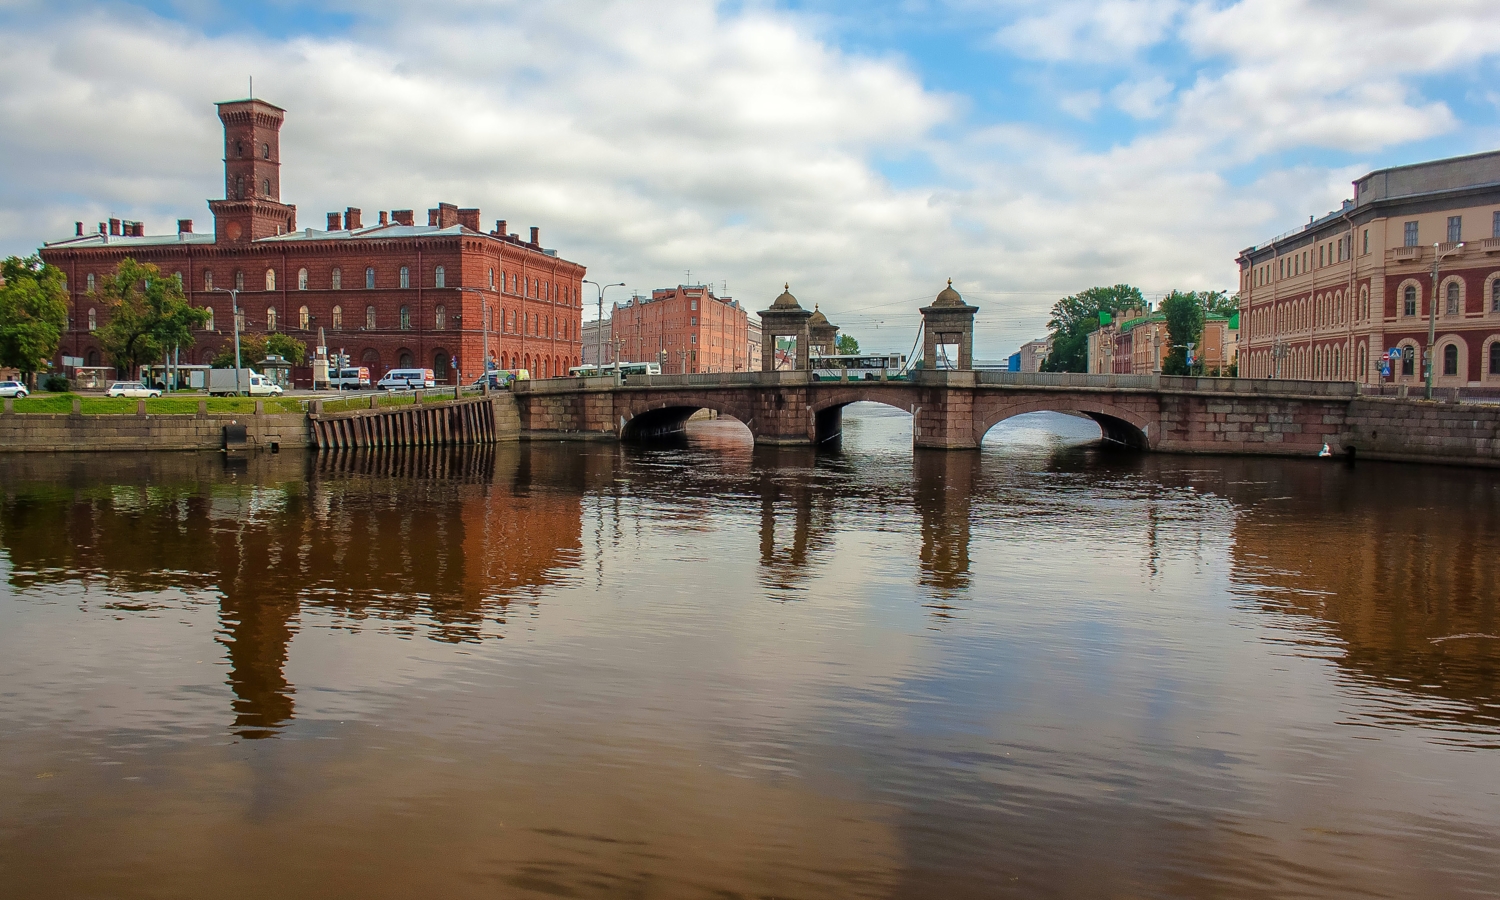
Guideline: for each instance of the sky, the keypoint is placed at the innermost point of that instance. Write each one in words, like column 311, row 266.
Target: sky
column 863, row 153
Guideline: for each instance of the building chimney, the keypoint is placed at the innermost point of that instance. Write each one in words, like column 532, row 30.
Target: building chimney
column 335, row 222
column 469, row 218
column 500, row 228
column 536, row 240
column 445, row 216
column 403, row 217
column 351, row 218
column 80, row 228
column 184, row 226
column 114, row 227
column 140, row 229
column 385, row 218
column 103, row 229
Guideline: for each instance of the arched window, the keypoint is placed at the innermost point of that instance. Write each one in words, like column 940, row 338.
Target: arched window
column 1450, row 359
column 1495, row 358
column 1494, row 293
column 404, row 360
column 1409, row 359
column 338, row 279
column 492, row 279
column 93, row 319
column 239, row 149
column 370, row 317
column 1452, row 307
column 369, row 278
column 405, row 278
column 239, row 280
column 405, row 319
column 265, row 151
column 265, row 188
column 89, row 282
column 208, row 324
column 440, row 317
column 239, row 187
column 338, row 318
column 301, row 279
column 1409, row 301
column 239, row 318
column 440, row 277
column 270, row 318
column 303, row 318
column 270, row 279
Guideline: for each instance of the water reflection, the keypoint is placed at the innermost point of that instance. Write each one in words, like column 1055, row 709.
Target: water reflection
column 1040, row 669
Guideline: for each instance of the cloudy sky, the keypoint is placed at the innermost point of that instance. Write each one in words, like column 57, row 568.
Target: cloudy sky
column 863, row 153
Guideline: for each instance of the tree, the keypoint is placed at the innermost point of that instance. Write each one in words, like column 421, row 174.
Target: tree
column 256, row 347
column 33, row 313
column 847, row 345
column 1184, row 315
column 1073, row 318
column 148, row 316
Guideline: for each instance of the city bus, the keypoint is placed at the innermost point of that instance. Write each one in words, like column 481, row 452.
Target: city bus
column 627, row 369
column 859, row 366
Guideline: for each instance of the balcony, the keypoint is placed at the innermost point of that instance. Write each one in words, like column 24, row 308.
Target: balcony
column 1489, row 245
column 1406, row 254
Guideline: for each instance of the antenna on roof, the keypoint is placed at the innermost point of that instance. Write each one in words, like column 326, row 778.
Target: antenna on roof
column 252, row 87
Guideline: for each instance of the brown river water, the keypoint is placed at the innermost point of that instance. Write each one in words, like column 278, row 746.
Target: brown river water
column 706, row 670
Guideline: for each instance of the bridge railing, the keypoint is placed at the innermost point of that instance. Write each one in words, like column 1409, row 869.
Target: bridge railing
column 1189, row 383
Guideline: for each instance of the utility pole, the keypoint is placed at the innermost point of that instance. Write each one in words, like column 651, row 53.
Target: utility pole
column 1429, row 356
column 234, row 309
column 599, row 326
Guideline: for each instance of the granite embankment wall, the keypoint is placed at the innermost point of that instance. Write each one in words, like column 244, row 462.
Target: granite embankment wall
column 43, row 433
column 74, row 432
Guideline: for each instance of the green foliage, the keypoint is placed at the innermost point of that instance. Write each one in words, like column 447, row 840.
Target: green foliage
column 1219, row 303
column 256, row 347
column 33, row 313
column 1184, row 313
column 148, row 316
column 55, row 383
column 847, row 345
column 1073, row 318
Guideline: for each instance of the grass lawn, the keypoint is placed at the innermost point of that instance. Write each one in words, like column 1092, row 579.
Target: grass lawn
column 182, row 404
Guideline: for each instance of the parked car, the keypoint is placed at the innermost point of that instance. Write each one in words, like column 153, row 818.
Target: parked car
column 407, row 380
column 12, row 389
column 131, row 389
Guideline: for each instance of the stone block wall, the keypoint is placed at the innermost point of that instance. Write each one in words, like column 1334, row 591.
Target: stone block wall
column 64, row 432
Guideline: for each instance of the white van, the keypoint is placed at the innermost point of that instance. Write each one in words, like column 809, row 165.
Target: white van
column 407, row 380
column 355, row 379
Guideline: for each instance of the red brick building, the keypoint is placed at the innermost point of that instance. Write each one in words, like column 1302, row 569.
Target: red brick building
column 390, row 294
column 686, row 329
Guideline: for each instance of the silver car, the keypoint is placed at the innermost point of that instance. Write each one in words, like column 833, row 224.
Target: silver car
column 13, row 389
column 131, row 389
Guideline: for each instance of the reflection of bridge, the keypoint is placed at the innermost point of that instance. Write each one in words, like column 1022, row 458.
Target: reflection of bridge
column 954, row 409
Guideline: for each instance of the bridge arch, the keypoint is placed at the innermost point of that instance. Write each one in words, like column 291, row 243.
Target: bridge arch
column 659, row 416
column 828, row 409
column 1120, row 423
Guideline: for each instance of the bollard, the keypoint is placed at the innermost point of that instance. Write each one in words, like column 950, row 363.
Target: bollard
column 77, row 406
column 202, row 409
column 140, row 407
column 260, row 407
column 374, row 401
column 317, row 407
column 10, row 405
column 418, row 399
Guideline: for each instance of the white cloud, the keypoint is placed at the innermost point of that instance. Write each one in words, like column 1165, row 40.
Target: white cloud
column 742, row 146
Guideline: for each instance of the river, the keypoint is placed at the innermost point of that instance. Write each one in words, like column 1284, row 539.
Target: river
column 702, row 669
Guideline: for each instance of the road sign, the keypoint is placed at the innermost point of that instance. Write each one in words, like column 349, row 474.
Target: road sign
column 1386, row 356
column 1385, row 370
column 1395, row 353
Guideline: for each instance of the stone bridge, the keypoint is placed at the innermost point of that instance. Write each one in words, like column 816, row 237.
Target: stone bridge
column 954, row 410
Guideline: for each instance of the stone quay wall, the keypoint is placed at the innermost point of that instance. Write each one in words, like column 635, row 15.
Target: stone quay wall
column 53, row 433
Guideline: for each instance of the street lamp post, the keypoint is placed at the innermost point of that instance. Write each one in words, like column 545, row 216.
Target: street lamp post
column 1431, row 359
column 599, row 325
column 234, row 310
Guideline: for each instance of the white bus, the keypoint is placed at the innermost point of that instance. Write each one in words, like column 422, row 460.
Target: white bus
column 627, row 369
column 859, row 366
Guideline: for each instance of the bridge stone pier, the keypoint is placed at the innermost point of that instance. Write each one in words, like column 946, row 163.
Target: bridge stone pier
column 954, row 409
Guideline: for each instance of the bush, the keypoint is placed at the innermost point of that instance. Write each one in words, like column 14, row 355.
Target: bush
column 55, row 383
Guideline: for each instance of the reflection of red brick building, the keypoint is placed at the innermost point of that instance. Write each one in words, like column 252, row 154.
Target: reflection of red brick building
column 392, row 293
column 686, row 328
